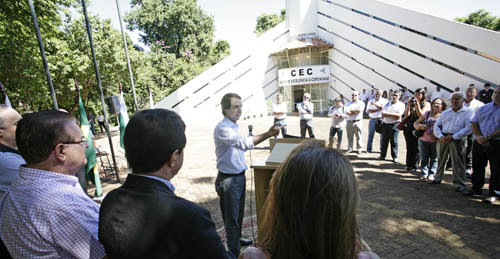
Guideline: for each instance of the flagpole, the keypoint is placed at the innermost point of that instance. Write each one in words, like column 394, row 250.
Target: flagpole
column 106, row 124
column 42, row 50
column 126, row 55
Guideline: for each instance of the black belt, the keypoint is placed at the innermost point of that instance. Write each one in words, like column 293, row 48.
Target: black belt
column 447, row 134
column 230, row 175
column 392, row 124
column 354, row 120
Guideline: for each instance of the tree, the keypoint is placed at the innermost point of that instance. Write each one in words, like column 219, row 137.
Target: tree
column 21, row 67
column 179, row 25
column 266, row 22
column 220, row 50
column 483, row 19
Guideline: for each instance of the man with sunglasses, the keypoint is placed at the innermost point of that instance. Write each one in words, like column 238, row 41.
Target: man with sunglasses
column 45, row 212
column 354, row 112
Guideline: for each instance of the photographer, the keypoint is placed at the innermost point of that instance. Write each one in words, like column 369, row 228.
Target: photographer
column 414, row 109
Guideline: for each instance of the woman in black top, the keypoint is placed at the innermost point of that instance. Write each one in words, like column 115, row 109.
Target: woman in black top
column 415, row 107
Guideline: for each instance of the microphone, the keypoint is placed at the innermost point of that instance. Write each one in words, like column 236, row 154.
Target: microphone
column 250, row 129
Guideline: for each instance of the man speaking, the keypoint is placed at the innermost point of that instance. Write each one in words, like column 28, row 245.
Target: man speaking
column 230, row 183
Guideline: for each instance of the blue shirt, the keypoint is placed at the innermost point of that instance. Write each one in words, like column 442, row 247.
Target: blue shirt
column 230, row 147
column 9, row 169
column 163, row 180
column 47, row 215
column 488, row 119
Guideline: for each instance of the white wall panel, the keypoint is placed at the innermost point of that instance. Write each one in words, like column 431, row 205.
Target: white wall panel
column 387, row 69
column 348, row 78
column 413, row 62
column 463, row 60
column 376, row 80
column 459, row 33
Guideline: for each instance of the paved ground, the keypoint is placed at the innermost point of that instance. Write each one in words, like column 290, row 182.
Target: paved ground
column 399, row 216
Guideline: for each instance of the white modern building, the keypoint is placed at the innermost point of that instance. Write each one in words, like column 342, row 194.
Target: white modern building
column 330, row 48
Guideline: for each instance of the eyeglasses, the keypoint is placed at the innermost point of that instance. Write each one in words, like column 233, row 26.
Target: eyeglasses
column 305, row 97
column 82, row 142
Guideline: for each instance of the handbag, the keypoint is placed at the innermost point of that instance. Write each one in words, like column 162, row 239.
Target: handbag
column 420, row 133
column 401, row 125
column 378, row 126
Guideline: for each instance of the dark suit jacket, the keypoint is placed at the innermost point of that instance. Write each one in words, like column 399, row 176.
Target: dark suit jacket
column 145, row 219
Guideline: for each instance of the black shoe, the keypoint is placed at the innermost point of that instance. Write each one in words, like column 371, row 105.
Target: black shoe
column 490, row 200
column 245, row 242
column 381, row 158
column 435, row 182
column 473, row 192
column 459, row 188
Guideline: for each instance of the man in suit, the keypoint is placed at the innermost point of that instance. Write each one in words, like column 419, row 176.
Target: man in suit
column 144, row 218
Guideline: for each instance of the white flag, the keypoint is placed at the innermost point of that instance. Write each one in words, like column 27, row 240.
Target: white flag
column 151, row 102
column 123, row 109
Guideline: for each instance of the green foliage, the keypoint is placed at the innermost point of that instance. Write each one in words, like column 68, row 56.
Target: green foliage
column 266, row 22
column 483, row 19
column 180, row 25
column 181, row 49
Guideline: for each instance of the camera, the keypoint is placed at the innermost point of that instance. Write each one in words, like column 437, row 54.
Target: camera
column 413, row 99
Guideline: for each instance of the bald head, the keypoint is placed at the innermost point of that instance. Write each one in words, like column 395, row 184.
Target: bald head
column 8, row 124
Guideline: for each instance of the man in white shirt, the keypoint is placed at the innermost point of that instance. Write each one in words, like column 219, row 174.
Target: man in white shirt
column 428, row 94
column 230, row 182
column 437, row 94
column 337, row 113
column 280, row 109
column 372, row 94
column 391, row 114
column 306, row 110
column 354, row 112
column 451, row 129
column 471, row 103
column 406, row 95
column 374, row 110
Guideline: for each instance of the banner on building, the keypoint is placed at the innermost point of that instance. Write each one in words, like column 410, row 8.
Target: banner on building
column 305, row 75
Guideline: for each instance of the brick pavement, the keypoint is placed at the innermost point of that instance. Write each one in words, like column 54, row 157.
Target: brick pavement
column 399, row 217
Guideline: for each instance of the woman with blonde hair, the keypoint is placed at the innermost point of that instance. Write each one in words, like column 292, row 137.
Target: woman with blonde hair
column 311, row 208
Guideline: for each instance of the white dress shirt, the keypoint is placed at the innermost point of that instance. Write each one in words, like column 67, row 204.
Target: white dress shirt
column 280, row 107
column 355, row 105
column 337, row 114
column 474, row 105
column 394, row 108
column 230, row 147
column 306, row 110
column 453, row 122
column 437, row 94
column 381, row 102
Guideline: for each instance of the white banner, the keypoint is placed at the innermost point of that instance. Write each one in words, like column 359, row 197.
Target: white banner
column 304, row 75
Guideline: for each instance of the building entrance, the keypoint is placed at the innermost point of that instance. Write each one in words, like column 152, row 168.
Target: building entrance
column 318, row 97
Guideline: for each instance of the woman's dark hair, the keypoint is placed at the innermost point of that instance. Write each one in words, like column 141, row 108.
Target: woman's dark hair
column 444, row 104
column 422, row 92
column 151, row 137
column 311, row 208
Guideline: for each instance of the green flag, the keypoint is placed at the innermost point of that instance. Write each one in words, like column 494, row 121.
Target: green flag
column 93, row 175
column 123, row 118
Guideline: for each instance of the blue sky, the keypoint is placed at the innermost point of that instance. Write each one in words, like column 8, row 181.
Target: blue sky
column 235, row 19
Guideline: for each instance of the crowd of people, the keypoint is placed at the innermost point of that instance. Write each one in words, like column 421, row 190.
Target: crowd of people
column 460, row 132
column 44, row 212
